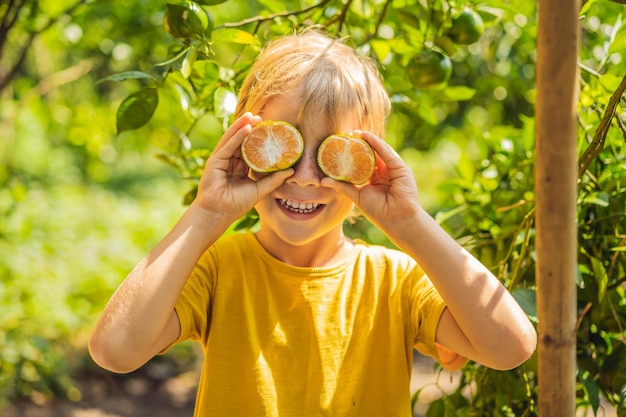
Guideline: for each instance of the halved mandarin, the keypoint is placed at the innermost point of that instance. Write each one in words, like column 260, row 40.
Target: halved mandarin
column 272, row 146
column 346, row 158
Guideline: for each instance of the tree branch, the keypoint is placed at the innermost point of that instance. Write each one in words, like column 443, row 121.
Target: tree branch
column 17, row 66
column 8, row 20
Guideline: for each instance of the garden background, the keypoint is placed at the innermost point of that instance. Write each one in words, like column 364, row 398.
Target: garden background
column 106, row 118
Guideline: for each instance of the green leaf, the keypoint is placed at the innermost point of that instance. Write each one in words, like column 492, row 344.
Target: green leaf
column 459, row 93
column 602, row 278
column 427, row 114
column 205, row 73
column 610, row 82
column 137, row 109
column 184, row 97
column 489, row 14
column 586, row 7
column 211, row 2
column 185, row 20
column 600, row 198
column 182, row 53
column 436, row 409
column 527, row 299
column 272, row 6
column 188, row 62
column 445, row 215
column 128, row 75
column 591, row 388
column 190, row 196
column 381, row 48
column 248, row 221
column 234, row 36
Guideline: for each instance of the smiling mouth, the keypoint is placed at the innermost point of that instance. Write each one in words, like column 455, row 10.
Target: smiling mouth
column 301, row 208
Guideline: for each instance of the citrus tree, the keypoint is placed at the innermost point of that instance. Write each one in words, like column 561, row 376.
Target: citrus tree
column 461, row 79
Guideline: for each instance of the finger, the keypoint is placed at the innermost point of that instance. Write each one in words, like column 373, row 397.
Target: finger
column 382, row 148
column 230, row 145
column 350, row 190
column 245, row 122
column 270, row 182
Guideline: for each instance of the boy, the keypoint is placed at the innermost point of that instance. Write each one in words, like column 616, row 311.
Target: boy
column 297, row 319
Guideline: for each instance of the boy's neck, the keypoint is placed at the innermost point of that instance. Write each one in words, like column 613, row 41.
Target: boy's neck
column 325, row 251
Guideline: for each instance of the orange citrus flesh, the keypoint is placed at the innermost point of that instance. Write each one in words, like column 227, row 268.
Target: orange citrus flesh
column 346, row 158
column 272, row 146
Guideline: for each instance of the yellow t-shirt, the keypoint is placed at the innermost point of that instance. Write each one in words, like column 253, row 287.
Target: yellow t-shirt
column 286, row 341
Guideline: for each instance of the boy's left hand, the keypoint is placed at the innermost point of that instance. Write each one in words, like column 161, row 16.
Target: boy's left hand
column 391, row 196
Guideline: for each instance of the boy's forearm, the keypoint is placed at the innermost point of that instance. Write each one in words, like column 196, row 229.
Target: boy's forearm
column 485, row 312
column 132, row 324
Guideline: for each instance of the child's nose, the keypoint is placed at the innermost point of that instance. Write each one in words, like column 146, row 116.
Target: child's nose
column 307, row 172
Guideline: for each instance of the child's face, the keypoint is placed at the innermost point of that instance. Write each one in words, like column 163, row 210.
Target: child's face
column 301, row 211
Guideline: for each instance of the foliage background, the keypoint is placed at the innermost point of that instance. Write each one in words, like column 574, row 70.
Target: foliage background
column 81, row 204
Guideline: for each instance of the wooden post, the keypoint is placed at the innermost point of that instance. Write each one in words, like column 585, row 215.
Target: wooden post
column 556, row 188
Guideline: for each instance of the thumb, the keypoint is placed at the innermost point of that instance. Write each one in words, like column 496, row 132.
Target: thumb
column 272, row 181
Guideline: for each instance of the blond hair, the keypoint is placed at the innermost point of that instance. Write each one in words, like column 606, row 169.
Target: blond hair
column 333, row 81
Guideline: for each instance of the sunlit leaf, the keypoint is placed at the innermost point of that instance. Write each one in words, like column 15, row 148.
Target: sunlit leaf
column 587, row 6
column 188, row 62
column 602, row 278
column 610, row 82
column 225, row 102
column 381, row 48
column 234, row 36
column 427, row 113
column 459, row 93
column 205, row 73
column 600, row 198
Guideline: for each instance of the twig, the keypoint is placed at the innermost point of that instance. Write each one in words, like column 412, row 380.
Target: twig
column 599, row 138
column 582, row 315
column 340, row 17
column 380, row 21
column 261, row 19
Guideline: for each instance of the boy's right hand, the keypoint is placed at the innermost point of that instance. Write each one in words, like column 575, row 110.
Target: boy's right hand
column 225, row 189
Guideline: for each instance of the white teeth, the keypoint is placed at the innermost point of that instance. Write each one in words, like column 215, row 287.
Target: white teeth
column 299, row 207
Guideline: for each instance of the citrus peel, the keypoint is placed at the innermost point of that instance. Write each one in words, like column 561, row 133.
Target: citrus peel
column 272, row 146
column 346, row 158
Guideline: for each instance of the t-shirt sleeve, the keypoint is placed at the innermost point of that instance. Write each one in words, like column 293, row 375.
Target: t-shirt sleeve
column 426, row 308
column 194, row 303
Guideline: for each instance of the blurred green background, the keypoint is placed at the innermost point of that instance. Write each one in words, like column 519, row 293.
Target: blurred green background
column 80, row 203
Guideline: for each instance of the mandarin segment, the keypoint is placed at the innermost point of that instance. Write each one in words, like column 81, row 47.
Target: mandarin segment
column 346, row 158
column 272, row 146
